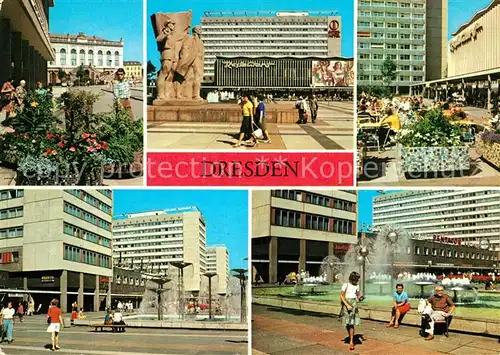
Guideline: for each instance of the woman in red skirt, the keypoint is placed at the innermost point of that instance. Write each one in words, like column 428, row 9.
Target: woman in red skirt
column 400, row 306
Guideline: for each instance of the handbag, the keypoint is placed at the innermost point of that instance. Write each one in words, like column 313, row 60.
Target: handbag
column 257, row 134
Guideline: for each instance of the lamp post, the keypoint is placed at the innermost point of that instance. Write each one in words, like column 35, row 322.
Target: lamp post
column 240, row 274
column 363, row 254
column 210, row 275
column 180, row 284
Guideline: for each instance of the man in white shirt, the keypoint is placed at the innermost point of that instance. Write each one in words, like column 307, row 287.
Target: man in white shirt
column 118, row 320
column 8, row 322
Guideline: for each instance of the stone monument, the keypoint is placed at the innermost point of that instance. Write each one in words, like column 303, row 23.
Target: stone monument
column 178, row 81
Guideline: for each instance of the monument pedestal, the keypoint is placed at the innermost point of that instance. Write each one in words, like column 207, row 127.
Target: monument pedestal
column 179, row 102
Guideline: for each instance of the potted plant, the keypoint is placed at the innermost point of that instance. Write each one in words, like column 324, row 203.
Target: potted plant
column 432, row 144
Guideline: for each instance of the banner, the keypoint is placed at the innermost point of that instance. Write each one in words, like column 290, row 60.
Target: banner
column 251, row 169
column 333, row 73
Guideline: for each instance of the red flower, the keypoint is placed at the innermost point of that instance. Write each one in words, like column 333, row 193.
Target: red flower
column 50, row 136
column 60, row 144
column 48, row 150
column 90, row 149
column 98, row 146
column 85, row 135
column 93, row 135
column 72, row 149
column 105, row 146
column 89, row 140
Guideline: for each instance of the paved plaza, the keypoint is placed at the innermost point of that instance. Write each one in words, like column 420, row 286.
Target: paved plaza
column 333, row 130
column 283, row 332
column 31, row 338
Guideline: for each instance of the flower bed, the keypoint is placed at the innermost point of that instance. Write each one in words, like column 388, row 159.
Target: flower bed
column 429, row 159
column 488, row 146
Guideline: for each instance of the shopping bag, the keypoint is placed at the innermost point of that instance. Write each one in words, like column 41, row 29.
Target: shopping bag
column 257, row 134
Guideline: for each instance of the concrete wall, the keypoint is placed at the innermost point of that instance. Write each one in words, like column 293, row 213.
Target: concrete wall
column 261, row 213
column 436, row 39
column 191, row 241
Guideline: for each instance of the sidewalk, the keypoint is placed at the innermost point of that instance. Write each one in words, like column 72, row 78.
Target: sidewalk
column 277, row 331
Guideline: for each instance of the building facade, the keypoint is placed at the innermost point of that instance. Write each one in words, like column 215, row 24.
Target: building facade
column 98, row 56
column 158, row 238
column 57, row 243
column 440, row 255
column 294, row 230
column 133, row 70
column 471, row 217
column 474, row 47
column 218, row 262
column 412, row 34
column 284, row 73
column 25, row 46
column 264, row 34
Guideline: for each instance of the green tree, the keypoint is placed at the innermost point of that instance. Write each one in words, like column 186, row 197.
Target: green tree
column 80, row 73
column 388, row 71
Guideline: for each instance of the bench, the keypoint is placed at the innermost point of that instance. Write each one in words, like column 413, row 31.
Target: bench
column 446, row 322
column 114, row 327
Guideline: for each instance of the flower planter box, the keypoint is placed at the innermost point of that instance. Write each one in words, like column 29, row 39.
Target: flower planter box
column 361, row 154
column 488, row 150
column 433, row 159
column 121, row 170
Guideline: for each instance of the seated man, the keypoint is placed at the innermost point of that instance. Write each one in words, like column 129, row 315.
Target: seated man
column 442, row 307
column 118, row 320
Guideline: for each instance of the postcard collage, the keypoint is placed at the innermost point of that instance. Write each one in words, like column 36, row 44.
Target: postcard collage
column 215, row 177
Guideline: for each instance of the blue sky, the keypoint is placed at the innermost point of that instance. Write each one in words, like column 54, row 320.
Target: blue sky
column 225, row 212
column 109, row 19
column 345, row 9
column 365, row 206
column 461, row 11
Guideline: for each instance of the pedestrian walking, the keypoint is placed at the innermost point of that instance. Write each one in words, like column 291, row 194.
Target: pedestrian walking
column 20, row 312
column 313, row 106
column 54, row 319
column 7, row 323
column 246, row 130
column 260, row 119
column 349, row 297
column 121, row 91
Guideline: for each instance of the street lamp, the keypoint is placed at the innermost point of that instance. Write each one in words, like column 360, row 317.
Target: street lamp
column 363, row 254
column 210, row 275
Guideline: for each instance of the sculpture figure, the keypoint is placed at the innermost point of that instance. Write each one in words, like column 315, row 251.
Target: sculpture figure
column 182, row 57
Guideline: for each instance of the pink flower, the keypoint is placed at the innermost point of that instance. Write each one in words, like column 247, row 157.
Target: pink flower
column 50, row 136
column 54, row 152
column 60, row 144
column 93, row 135
column 85, row 135
column 90, row 149
column 98, row 146
column 72, row 149
column 105, row 146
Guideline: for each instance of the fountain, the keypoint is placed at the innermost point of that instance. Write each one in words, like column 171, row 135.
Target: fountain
column 181, row 301
column 463, row 291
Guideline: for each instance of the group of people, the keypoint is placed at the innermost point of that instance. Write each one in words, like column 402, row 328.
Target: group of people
column 114, row 318
column 253, row 125
column 438, row 307
column 125, row 306
column 54, row 321
column 307, row 107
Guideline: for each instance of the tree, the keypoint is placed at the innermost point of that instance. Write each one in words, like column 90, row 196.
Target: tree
column 151, row 70
column 80, row 73
column 61, row 74
column 388, row 71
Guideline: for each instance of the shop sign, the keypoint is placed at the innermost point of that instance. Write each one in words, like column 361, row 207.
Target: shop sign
column 16, row 295
column 446, row 240
column 342, row 247
column 464, row 37
column 241, row 64
column 334, row 29
column 48, row 279
column 104, row 279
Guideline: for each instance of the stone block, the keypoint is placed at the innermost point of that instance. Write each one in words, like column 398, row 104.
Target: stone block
column 493, row 328
column 433, row 159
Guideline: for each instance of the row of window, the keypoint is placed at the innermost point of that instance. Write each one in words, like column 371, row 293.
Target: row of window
column 89, row 217
column 90, row 57
column 84, row 256
column 129, row 281
column 208, row 26
column 393, row 46
column 106, row 192
column 448, row 253
column 11, row 213
column 407, row 36
column 10, row 194
column 293, row 219
column 147, row 231
column 391, row 25
column 391, row 15
column 403, row 78
column 464, row 221
column 91, row 200
column 315, row 199
column 86, row 235
column 403, row 5
column 146, row 224
column 16, row 232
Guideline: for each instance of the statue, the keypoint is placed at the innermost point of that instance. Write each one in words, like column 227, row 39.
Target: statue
column 182, row 59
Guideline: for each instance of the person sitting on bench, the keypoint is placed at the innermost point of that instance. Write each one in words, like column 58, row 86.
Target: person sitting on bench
column 400, row 306
column 118, row 320
column 442, row 307
column 108, row 319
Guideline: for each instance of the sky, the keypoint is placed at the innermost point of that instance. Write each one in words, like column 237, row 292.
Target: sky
column 109, row 19
column 365, row 207
column 225, row 213
column 345, row 9
column 461, row 11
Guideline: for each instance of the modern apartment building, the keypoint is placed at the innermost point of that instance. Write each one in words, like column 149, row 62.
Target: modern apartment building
column 294, row 230
column 218, row 262
column 411, row 33
column 269, row 34
column 25, row 46
column 57, row 243
column 469, row 217
column 156, row 239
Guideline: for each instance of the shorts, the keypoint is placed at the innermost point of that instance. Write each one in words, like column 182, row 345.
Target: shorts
column 54, row 327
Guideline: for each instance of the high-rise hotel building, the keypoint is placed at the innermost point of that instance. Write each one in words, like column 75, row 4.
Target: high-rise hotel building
column 158, row 238
column 411, row 33
column 57, row 244
column 218, row 262
column 269, row 34
column 294, row 230
column 470, row 216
